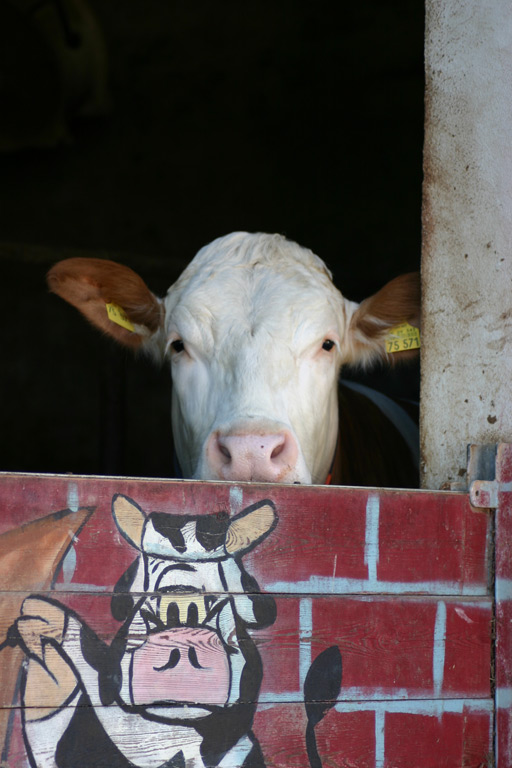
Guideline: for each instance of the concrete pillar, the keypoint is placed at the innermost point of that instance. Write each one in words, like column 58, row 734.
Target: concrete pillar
column 467, row 234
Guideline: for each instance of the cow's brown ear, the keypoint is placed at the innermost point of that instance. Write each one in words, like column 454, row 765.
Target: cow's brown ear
column 129, row 518
column 373, row 322
column 113, row 297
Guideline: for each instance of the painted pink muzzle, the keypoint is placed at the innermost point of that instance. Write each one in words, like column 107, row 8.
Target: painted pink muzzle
column 181, row 665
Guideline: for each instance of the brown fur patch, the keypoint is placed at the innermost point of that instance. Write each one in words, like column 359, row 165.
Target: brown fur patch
column 397, row 302
column 89, row 284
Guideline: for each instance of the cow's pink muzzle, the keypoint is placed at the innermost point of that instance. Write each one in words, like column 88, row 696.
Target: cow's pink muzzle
column 181, row 665
column 261, row 457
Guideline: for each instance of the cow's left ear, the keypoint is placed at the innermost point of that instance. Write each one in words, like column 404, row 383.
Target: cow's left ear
column 129, row 518
column 111, row 296
column 371, row 321
column 250, row 527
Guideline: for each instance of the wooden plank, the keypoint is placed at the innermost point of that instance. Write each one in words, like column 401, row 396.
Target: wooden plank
column 405, row 648
column 396, row 583
column 328, row 540
column 382, row 734
column 450, row 735
column 503, row 560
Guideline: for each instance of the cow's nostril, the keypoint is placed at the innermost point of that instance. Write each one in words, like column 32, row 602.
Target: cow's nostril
column 224, row 451
column 192, row 657
column 174, row 660
column 277, row 450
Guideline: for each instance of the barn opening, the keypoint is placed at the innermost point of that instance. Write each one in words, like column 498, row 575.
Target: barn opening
column 299, row 118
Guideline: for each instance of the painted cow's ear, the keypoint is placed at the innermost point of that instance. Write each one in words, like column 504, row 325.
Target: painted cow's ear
column 111, row 296
column 129, row 518
column 250, row 527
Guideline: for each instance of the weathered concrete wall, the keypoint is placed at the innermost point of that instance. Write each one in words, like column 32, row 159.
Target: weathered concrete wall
column 467, row 221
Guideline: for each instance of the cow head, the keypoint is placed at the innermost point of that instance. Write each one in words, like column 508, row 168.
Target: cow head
column 255, row 334
column 184, row 651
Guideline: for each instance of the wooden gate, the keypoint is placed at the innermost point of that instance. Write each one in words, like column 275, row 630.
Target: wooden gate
column 397, row 585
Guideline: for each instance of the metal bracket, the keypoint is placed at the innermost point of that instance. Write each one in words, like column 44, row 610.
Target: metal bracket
column 483, row 487
column 483, row 494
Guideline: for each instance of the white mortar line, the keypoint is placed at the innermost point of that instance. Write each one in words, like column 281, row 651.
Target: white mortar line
column 69, row 566
column 503, row 698
column 305, row 635
column 380, row 729
column 72, row 497
column 503, row 589
column 493, row 741
column 236, row 499
column 439, row 648
column 425, row 706
column 371, row 544
column 76, row 586
column 326, row 585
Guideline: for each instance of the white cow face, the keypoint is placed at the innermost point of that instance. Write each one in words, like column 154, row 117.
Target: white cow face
column 185, row 648
column 255, row 333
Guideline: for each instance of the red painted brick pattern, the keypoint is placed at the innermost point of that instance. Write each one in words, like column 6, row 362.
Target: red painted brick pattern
column 460, row 739
column 416, row 667
column 439, row 540
column 429, row 741
column 504, row 644
column 418, row 543
column 385, row 644
column 504, row 737
column 467, row 657
column 503, row 545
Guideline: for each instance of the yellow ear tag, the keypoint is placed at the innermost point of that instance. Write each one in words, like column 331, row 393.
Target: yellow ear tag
column 118, row 316
column 402, row 337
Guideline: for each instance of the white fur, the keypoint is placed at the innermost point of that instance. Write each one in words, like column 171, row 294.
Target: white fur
column 253, row 311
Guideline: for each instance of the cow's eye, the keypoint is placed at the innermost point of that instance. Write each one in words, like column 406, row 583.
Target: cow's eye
column 328, row 345
column 177, row 345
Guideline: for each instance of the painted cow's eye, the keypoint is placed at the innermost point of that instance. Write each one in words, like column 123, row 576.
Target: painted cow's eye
column 328, row 345
column 177, row 345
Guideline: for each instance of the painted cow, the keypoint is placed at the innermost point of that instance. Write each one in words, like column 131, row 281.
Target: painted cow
column 179, row 684
column 255, row 333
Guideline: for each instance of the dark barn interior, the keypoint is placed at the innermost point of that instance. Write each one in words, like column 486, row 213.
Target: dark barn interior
column 304, row 118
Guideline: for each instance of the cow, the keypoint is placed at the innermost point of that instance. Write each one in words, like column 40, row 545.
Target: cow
column 256, row 333
column 178, row 686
